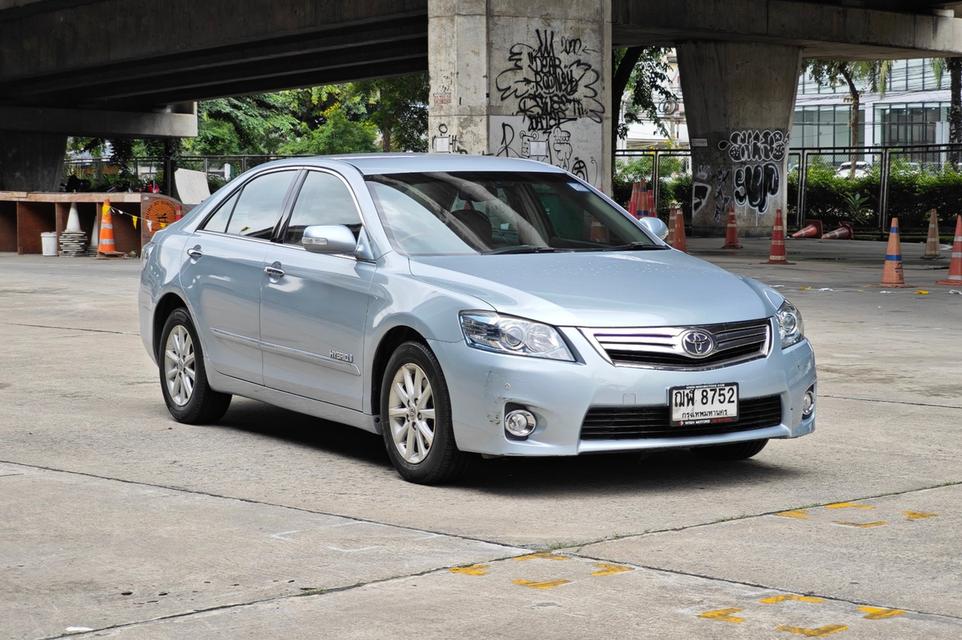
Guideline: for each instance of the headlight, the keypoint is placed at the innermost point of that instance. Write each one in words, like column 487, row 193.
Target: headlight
column 790, row 325
column 507, row 334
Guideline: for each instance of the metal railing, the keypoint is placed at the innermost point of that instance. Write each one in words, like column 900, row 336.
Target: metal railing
column 919, row 158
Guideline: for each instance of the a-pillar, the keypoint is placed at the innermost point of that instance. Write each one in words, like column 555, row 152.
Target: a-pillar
column 739, row 103
column 524, row 80
column 31, row 161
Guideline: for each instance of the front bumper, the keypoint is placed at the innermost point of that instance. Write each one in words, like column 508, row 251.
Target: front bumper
column 481, row 383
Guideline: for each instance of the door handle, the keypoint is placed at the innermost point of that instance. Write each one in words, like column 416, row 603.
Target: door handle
column 195, row 252
column 274, row 270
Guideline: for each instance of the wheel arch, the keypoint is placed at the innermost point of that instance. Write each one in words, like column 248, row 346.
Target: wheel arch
column 395, row 337
column 165, row 306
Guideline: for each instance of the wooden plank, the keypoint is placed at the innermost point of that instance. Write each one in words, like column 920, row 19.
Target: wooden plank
column 120, row 196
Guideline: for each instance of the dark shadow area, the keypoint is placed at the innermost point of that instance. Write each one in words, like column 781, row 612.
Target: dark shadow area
column 524, row 478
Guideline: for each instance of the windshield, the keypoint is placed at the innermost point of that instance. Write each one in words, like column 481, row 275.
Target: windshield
column 495, row 213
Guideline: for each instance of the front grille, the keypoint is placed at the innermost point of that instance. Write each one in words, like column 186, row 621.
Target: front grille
column 661, row 347
column 624, row 422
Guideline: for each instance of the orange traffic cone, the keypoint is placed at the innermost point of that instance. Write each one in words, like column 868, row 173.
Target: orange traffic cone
column 932, row 249
column 633, row 201
column 678, row 239
column 106, row 246
column 731, row 231
column 955, row 266
column 892, row 275
column 844, row 232
column 813, row 229
column 777, row 254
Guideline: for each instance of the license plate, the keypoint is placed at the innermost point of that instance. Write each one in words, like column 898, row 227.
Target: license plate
column 703, row 404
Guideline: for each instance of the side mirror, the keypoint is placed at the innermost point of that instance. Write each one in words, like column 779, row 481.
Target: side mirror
column 334, row 238
column 654, row 226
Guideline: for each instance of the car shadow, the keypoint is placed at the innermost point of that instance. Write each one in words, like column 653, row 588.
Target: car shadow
column 607, row 474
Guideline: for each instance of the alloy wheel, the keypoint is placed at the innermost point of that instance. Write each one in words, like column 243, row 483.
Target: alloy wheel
column 179, row 371
column 411, row 413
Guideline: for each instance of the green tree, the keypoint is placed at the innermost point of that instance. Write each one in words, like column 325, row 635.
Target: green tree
column 398, row 107
column 855, row 74
column 257, row 124
column 337, row 133
column 954, row 67
column 643, row 73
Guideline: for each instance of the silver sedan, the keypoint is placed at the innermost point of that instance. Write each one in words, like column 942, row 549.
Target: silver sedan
column 462, row 305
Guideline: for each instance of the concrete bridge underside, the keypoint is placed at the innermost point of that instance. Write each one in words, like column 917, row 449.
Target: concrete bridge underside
column 134, row 67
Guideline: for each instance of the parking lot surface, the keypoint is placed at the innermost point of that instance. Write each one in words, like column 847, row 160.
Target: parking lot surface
column 115, row 521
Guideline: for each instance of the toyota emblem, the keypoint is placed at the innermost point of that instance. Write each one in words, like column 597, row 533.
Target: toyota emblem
column 698, row 343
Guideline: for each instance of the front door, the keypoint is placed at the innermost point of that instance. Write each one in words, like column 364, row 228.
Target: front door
column 313, row 306
column 223, row 272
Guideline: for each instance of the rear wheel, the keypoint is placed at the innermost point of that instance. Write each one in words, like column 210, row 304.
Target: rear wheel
column 183, row 378
column 733, row 451
column 416, row 417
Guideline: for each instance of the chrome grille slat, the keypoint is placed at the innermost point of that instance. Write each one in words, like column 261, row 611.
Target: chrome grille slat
column 661, row 347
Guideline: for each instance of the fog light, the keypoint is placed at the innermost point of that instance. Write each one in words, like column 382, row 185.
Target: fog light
column 808, row 403
column 520, row 423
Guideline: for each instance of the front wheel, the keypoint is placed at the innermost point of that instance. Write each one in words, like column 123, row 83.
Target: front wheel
column 733, row 451
column 183, row 378
column 416, row 417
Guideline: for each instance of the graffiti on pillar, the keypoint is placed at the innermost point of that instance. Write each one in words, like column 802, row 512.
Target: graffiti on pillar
column 444, row 143
column 551, row 85
column 548, row 83
column 722, row 196
column 700, row 189
column 758, row 156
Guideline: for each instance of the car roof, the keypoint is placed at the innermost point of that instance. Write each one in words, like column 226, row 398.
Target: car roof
column 376, row 163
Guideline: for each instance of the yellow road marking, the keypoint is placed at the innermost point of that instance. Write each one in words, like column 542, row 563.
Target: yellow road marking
column 541, row 555
column 819, row 632
column 472, row 570
column 879, row 613
column 919, row 515
column 848, row 505
column 790, row 596
column 863, row 525
column 606, row 569
column 534, row 584
column 723, row 615
column 798, row 514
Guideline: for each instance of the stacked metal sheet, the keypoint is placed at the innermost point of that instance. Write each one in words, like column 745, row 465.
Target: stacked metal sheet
column 73, row 243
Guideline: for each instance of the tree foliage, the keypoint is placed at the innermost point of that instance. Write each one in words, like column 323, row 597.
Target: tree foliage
column 640, row 87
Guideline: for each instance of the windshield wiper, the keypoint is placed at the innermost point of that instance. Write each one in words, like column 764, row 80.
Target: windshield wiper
column 635, row 246
column 521, row 248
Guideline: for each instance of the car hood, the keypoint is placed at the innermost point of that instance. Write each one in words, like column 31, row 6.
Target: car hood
column 609, row 289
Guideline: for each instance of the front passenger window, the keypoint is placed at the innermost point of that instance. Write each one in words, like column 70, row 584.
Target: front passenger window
column 324, row 200
column 260, row 205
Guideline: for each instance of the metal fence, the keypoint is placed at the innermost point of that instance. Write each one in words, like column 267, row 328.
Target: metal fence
column 880, row 171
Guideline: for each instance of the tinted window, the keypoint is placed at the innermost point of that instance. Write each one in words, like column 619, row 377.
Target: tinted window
column 218, row 221
column 260, row 204
column 323, row 199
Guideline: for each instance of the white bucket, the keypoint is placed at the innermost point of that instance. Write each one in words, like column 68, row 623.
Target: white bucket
column 48, row 240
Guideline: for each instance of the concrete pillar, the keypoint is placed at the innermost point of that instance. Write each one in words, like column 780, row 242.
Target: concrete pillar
column 528, row 80
column 31, row 161
column 739, row 102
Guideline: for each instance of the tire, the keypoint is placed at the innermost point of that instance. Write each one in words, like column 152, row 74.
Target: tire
column 728, row 452
column 404, row 437
column 200, row 404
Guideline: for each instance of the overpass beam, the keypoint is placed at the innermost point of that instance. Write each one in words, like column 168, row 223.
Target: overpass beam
column 31, row 161
column 526, row 80
column 739, row 102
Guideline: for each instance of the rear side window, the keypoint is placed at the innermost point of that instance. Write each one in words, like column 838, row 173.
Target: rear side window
column 323, row 200
column 218, row 221
column 260, row 205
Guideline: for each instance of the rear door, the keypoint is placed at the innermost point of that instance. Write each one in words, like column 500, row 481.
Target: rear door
column 314, row 306
column 223, row 271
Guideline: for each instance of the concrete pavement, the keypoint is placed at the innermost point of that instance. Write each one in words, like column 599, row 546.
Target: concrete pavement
column 102, row 494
